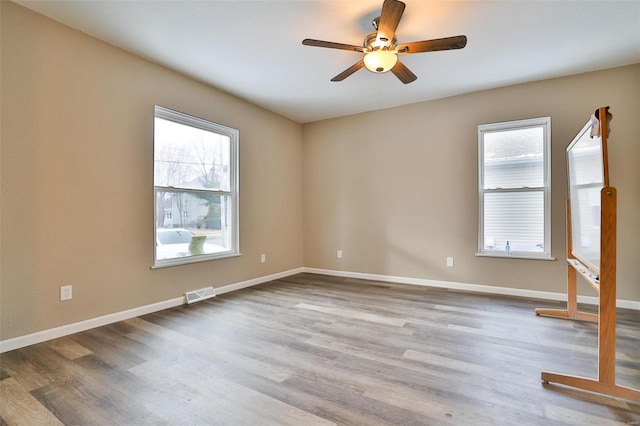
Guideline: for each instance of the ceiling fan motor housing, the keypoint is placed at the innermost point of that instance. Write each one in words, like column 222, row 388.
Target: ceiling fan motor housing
column 371, row 43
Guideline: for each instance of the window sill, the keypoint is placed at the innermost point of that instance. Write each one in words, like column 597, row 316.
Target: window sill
column 516, row 256
column 191, row 259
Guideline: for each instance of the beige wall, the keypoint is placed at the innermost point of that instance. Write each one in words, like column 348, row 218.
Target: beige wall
column 76, row 162
column 396, row 189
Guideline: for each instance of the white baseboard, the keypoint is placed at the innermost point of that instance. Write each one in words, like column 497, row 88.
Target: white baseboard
column 259, row 280
column 65, row 330
column 478, row 288
column 76, row 327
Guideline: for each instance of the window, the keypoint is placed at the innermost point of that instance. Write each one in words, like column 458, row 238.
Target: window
column 514, row 188
column 195, row 175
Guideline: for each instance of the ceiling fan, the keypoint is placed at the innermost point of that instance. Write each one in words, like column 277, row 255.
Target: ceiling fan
column 381, row 49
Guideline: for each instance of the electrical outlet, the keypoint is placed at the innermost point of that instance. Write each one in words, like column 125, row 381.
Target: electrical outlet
column 450, row 261
column 339, row 254
column 263, row 258
column 66, row 292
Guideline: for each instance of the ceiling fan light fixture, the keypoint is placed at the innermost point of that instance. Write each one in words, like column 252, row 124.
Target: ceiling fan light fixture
column 380, row 60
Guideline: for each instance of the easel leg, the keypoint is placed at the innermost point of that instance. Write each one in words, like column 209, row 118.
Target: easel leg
column 572, row 302
column 592, row 385
column 607, row 305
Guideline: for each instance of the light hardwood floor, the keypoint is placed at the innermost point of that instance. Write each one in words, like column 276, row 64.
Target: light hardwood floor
column 318, row 350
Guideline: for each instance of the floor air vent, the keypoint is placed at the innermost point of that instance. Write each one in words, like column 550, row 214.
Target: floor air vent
column 198, row 295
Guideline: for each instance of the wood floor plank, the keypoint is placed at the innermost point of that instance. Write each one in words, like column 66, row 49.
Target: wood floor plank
column 23, row 371
column 233, row 402
column 446, row 362
column 569, row 416
column 19, row 407
column 443, row 409
column 68, row 348
column 351, row 313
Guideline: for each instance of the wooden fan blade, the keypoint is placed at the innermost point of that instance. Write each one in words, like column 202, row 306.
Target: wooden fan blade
column 389, row 19
column 403, row 73
column 447, row 43
column 346, row 73
column 332, row 45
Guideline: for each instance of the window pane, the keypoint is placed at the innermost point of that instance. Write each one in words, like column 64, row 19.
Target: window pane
column 517, row 217
column 514, row 158
column 189, row 157
column 192, row 224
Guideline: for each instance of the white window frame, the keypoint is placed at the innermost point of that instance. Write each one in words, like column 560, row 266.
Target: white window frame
column 233, row 193
column 545, row 123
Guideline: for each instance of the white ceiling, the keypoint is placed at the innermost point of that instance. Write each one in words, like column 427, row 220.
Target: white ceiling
column 253, row 49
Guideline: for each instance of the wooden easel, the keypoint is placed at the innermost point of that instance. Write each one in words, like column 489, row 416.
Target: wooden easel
column 604, row 284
